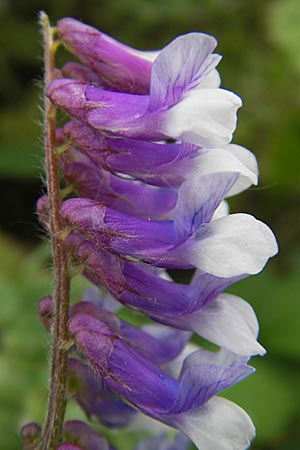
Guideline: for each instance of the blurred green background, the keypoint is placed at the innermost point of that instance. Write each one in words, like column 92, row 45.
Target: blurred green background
column 260, row 41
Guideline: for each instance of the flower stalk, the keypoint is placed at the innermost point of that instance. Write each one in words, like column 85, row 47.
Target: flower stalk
column 56, row 400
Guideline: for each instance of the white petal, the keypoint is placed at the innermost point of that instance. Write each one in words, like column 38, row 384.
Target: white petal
column 212, row 80
column 205, row 117
column 245, row 156
column 229, row 322
column 221, row 211
column 217, row 425
column 250, row 173
column 231, row 158
column 231, row 246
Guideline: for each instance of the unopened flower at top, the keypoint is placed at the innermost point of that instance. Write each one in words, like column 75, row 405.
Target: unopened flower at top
column 178, row 106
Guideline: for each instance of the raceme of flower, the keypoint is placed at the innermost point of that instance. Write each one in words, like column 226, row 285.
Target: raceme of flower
column 148, row 158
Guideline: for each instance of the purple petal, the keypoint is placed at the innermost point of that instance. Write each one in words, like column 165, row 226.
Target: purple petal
column 206, row 287
column 168, row 80
column 198, row 199
column 205, row 374
column 160, row 347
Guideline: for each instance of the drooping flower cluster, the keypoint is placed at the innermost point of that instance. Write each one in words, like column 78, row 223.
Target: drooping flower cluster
column 148, row 153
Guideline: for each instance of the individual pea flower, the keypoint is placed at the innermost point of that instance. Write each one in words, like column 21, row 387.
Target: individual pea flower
column 160, row 344
column 112, row 64
column 200, row 306
column 227, row 247
column 176, row 107
column 187, row 403
column 156, row 163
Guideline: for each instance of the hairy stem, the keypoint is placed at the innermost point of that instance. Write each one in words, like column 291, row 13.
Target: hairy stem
column 52, row 429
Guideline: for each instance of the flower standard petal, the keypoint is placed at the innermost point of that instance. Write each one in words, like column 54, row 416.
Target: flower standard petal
column 198, row 198
column 169, row 82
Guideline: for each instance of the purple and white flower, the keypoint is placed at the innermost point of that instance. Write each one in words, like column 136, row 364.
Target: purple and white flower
column 110, row 63
column 226, row 247
column 177, row 106
column 187, row 403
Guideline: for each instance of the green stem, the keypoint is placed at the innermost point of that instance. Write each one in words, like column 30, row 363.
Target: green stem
column 52, row 429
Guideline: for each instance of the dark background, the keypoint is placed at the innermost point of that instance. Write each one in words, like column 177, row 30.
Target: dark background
column 260, row 41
